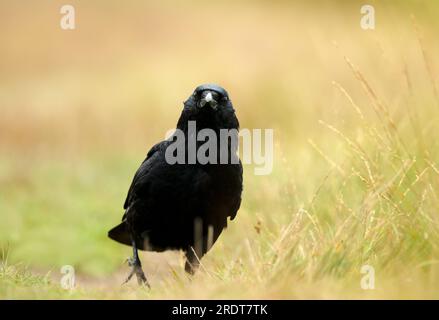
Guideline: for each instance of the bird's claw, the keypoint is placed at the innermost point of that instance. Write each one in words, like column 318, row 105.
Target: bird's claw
column 136, row 269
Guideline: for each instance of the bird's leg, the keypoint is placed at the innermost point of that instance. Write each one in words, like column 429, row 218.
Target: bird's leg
column 192, row 261
column 136, row 268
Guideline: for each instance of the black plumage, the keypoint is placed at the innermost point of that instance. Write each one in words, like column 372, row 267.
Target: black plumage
column 184, row 206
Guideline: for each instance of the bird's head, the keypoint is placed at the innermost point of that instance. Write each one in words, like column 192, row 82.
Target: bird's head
column 211, row 105
column 209, row 96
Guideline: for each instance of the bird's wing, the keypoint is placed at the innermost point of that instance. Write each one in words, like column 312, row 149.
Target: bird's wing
column 142, row 172
column 236, row 197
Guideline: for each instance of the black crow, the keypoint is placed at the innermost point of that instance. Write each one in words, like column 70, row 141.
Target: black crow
column 185, row 205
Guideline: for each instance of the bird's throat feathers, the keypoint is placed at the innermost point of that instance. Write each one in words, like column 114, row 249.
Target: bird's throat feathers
column 222, row 118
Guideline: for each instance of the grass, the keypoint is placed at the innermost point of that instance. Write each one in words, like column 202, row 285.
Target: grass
column 356, row 166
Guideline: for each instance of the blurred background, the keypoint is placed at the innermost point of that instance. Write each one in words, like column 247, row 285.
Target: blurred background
column 79, row 109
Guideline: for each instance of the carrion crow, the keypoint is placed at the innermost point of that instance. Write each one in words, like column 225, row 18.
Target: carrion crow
column 185, row 206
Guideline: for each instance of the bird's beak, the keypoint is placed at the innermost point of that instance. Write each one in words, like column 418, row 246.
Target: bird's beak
column 208, row 99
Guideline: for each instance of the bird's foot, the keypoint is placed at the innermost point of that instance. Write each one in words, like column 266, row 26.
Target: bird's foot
column 136, row 269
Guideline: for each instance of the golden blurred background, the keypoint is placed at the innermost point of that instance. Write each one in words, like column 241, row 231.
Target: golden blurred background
column 80, row 108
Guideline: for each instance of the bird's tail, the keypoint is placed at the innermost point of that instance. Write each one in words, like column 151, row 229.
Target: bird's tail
column 120, row 234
